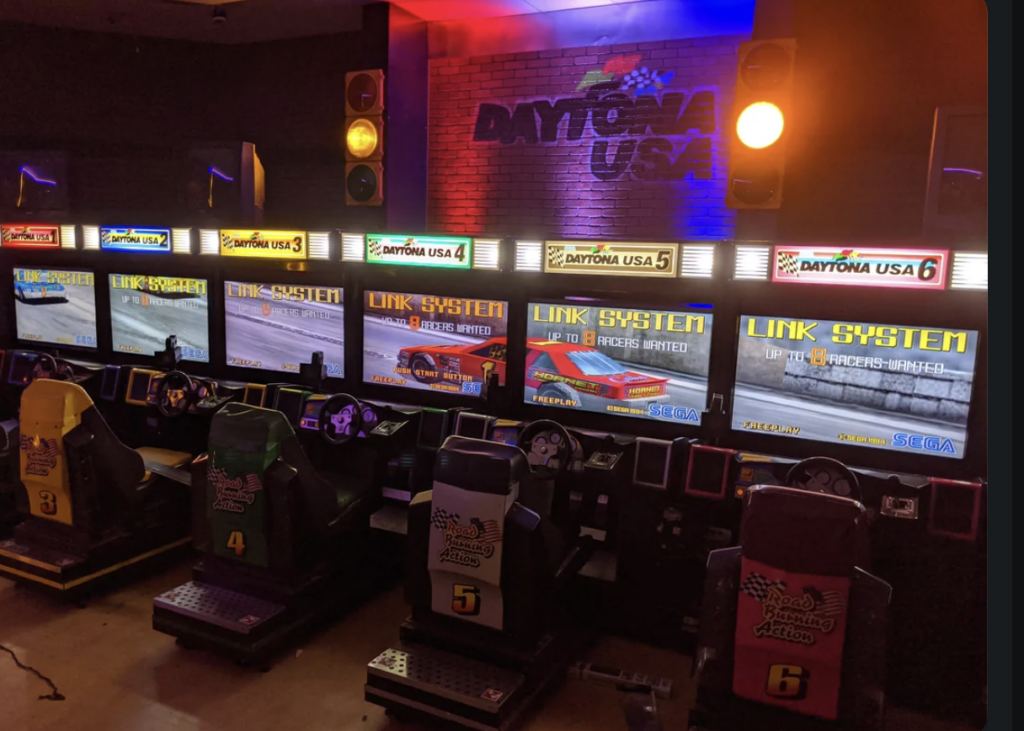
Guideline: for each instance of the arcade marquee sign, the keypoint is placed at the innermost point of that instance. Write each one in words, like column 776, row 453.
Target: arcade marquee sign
column 447, row 252
column 611, row 258
column 30, row 236
column 846, row 266
column 135, row 239
column 264, row 244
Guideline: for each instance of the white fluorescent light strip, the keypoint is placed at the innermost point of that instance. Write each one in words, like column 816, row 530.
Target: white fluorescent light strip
column 181, row 240
column 752, row 262
column 319, row 245
column 970, row 270
column 528, row 256
column 485, row 253
column 353, row 247
column 91, row 238
column 209, row 242
column 698, row 261
column 67, row 237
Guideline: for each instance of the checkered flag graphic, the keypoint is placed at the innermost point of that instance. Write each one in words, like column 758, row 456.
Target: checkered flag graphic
column 642, row 77
column 439, row 518
column 8, row 234
column 105, row 237
column 556, row 257
column 757, row 586
column 375, row 248
column 788, row 263
column 226, row 241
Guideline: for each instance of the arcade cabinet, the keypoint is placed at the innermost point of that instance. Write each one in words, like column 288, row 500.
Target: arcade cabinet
column 285, row 542
column 487, row 575
column 792, row 632
column 94, row 506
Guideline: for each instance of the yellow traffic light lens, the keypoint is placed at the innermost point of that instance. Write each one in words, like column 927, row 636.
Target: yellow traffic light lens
column 760, row 125
column 361, row 138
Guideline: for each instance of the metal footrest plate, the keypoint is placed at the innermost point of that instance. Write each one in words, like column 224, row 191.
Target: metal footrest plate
column 225, row 608
column 48, row 559
column 447, row 675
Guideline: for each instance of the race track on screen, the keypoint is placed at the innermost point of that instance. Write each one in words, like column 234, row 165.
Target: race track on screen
column 275, row 341
column 823, row 420
column 148, row 327
column 77, row 316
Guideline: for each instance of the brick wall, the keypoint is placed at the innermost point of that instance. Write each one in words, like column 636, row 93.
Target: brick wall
column 585, row 182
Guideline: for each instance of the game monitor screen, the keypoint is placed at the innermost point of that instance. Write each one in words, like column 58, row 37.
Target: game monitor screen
column 650, row 364
column 55, row 306
column 277, row 327
column 884, row 386
column 145, row 310
column 432, row 342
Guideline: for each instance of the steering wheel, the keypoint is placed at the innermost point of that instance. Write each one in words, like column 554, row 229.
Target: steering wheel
column 341, row 419
column 548, row 448
column 46, row 367
column 825, row 475
column 175, row 394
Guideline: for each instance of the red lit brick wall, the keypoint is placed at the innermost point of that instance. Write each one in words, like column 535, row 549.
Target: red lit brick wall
column 549, row 188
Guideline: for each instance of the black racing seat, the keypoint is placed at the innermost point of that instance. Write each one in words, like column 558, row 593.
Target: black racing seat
column 479, row 561
column 74, row 468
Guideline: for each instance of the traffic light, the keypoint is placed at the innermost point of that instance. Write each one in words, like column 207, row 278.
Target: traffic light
column 764, row 87
column 364, row 138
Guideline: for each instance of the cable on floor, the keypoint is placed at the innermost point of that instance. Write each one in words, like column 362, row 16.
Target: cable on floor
column 55, row 695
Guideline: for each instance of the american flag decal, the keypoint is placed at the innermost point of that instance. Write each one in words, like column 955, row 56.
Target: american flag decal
column 489, row 530
column 249, row 483
column 439, row 518
column 757, row 586
column 788, row 263
column 829, row 603
column 46, row 447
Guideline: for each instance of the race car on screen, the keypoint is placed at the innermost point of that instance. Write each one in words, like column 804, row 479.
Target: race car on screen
column 584, row 377
column 430, row 363
column 40, row 291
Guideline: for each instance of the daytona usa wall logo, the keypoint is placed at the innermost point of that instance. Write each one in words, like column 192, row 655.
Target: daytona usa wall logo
column 643, row 128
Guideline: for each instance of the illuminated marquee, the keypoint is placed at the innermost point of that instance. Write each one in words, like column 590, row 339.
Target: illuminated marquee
column 448, row 252
column 264, row 244
column 848, row 266
column 611, row 258
column 135, row 239
column 22, row 236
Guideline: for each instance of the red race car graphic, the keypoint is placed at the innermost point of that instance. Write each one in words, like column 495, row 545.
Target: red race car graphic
column 435, row 363
column 571, row 373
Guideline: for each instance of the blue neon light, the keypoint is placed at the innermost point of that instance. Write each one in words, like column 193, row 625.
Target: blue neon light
column 222, row 176
column 42, row 181
column 128, row 238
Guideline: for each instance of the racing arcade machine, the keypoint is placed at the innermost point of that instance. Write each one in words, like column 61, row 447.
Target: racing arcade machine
column 286, row 543
column 488, row 579
column 876, row 357
column 432, row 335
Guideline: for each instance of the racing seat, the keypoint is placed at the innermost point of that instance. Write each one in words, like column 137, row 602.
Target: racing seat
column 485, row 578
column 91, row 501
column 792, row 631
column 280, row 542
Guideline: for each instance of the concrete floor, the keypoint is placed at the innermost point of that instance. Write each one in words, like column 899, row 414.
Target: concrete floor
column 118, row 674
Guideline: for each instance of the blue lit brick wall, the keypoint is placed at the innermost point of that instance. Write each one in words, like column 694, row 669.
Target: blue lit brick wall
column 588, row 160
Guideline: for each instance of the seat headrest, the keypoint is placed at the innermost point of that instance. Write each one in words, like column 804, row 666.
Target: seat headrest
column 57, row 401
column 480, row 466
column 250, row 429
column 802, row 531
